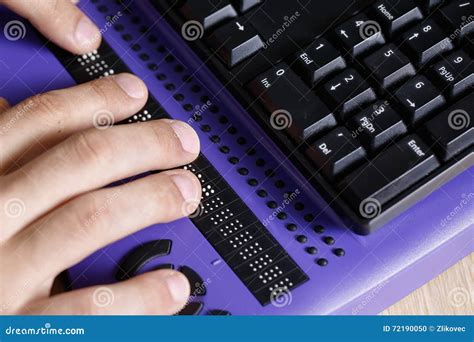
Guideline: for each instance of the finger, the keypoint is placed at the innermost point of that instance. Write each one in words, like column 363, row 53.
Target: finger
column 91, row 160
column 91, row 221
column 38, row 123
column 60, row 21
column 162, row 292
column 4, row 105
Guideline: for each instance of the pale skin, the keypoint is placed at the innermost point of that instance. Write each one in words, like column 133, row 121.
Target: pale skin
column 54, row 164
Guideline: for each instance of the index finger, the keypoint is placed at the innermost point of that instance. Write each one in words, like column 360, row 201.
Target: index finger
column 60, row 21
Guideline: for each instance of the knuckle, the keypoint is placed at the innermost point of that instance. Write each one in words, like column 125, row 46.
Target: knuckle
column 102, row 91
column 52, row 106
column 90, row 215
column 92, row 149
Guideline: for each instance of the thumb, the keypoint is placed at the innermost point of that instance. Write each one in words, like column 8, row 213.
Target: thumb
column 60, row 21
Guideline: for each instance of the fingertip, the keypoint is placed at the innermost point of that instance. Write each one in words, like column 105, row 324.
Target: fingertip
column 131, row 85
column 178, row 287
column 87, row 36
column 187, row 136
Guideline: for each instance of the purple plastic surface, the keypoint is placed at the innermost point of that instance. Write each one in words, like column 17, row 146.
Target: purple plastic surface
column 376, row 271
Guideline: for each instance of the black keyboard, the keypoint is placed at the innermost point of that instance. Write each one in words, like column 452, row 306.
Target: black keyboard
column 372, row 99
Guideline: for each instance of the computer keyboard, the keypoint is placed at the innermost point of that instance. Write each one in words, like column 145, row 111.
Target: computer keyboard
column 372, row 100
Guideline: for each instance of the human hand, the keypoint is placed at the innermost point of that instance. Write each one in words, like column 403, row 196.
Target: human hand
column 54, row 210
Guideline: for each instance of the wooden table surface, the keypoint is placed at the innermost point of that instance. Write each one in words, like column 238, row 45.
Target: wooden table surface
column 450, row 293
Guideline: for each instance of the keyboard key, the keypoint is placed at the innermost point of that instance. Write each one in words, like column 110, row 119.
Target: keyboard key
column 348, row 92
column 389, row 66
column 387, row 175
column 208, row 12
column 317, row 61
column 293, row 105
column 235, row 42
column 359, row 34
column 452, row 131
column 395, row 15
column 458, row 16
column 418, row 99
column 244, row 5
column 336, row 152
column 454, row 74
column 426, row 41
column 377, row 125
column 427, row 6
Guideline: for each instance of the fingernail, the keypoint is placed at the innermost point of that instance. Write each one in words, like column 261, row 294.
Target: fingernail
column 186, row 186
column 178, row 287
column 186, row 135
column 86, row 32
column 131, row 85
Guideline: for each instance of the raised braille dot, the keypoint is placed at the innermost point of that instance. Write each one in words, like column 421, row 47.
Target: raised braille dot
column 251, row 151
column 322, row 262
column 214, row 109
column 299, row 206
column 170, row 86
column 269, row 173
column 161, row 77
column 144, row 56
column 272, row 204
column 252, row 182
column 282, row 215
column 311, row 250
column 318, row 229
column 127, row 37
column 291, row 227
column 178, row 68
column 243, row 171
column 233, row 160
column 339, row 252
column 152, row 38
column 215, row 138
column 136, row 47
column 260, row 162
column 301, row 238
column 188, row 107
column 206, row 128
column 309, row 217
column 279, row 184
column 223, row 119
column 232, row 130
column 169, row 58
column 178, row 97
column 195, row 88
column 262, row 193
column 224, row 149
column 161, row 49
column 329, row 240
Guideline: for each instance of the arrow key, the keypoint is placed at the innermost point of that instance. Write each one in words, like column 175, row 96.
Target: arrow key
column 418, row 99
column 235, row 41
column 349, row 92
